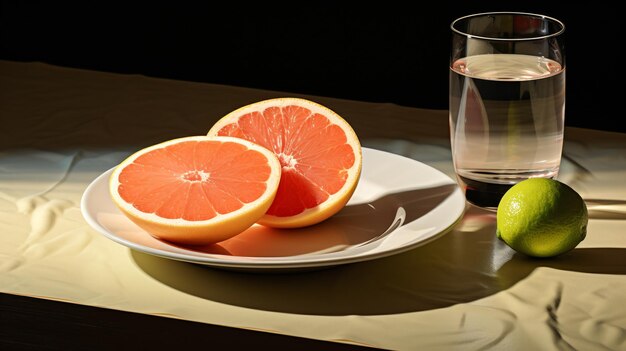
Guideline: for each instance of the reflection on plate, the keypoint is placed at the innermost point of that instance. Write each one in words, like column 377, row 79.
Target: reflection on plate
column 398, row 204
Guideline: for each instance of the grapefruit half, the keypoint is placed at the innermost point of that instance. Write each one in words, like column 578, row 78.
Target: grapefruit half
column 196, row 190
column 318, row 150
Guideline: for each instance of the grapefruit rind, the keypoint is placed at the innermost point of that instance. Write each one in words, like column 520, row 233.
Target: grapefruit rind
column 203, row 232
column 336, row 201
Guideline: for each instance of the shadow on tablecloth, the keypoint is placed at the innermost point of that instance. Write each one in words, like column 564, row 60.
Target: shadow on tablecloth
column 464, row 265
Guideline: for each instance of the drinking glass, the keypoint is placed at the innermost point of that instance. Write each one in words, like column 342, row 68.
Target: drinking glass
column 507, row 101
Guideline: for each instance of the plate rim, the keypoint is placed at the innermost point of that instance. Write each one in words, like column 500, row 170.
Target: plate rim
column 275, row 263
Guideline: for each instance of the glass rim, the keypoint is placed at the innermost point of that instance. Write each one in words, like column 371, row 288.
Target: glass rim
column 542, row 17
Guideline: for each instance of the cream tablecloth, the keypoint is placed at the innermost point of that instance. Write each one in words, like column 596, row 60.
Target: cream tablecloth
column 60, row 128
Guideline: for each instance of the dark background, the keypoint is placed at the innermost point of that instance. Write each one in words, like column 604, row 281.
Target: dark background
column 389, row 53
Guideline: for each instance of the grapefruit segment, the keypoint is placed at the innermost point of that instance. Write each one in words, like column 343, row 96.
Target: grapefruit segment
column 318, row 150
column 196, row 190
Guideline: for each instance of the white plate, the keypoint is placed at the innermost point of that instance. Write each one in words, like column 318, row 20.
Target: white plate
column 398, row 204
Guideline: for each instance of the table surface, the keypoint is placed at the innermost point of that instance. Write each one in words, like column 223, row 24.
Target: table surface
column 63, row 127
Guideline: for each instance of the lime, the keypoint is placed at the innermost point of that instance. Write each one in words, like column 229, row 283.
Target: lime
column 541, row 217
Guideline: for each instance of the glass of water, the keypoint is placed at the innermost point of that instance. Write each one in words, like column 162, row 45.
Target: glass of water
column 507, row 101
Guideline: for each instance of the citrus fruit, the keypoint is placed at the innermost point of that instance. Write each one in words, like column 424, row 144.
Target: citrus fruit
column 196, row 190
column 542, row 217
column 319, row 152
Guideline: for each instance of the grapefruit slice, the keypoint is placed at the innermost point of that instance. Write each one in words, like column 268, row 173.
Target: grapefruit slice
column 196, row 190
column 319, row 152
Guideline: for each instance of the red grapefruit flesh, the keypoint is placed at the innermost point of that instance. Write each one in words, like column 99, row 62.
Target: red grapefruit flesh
column 318, row 150
column 196, row 190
